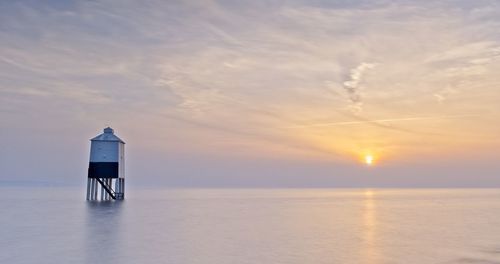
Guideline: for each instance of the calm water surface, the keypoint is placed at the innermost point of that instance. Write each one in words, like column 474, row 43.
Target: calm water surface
column 251, row 226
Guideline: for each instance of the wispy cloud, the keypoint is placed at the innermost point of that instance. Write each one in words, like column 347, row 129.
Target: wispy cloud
column 352, row 85
column 256, row 66
column 383, row 121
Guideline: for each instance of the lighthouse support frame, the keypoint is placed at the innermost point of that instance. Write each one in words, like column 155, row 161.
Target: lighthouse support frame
column 105, row 189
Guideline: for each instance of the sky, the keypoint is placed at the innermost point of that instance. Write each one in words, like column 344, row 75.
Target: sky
column 261, row 93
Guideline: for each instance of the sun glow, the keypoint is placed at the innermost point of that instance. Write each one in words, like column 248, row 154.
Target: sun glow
column 369, row 160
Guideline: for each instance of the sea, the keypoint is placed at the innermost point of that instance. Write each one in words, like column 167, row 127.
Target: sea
column 232, row 226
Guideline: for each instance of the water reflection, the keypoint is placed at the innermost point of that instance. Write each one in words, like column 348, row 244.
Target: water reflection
column 369, row 228
column 103, row 231
column 253, row 226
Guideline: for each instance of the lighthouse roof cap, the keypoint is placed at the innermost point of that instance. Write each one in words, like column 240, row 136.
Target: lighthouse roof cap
column 108, row 135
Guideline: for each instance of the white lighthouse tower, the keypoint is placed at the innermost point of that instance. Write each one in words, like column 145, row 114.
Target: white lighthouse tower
column 106, row 167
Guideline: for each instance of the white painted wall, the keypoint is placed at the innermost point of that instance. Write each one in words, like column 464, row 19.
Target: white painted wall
column 105, row 151
column 121, row 165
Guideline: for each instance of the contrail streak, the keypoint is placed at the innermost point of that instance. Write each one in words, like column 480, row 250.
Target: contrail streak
column 378, row 121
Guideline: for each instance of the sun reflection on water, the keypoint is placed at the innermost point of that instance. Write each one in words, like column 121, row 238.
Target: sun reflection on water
column 369, row 233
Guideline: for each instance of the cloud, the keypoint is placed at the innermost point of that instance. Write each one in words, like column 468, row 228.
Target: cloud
column 442, row 95
column 252, row 70
column 352, row 85
column 388, row 120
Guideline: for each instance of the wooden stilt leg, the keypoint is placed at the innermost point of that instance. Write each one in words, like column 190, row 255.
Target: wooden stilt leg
column 95, row 189
column 91, row 189
column 102, row 191
column 88, row 189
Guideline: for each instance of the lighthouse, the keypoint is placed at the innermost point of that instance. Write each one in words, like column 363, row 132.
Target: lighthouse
column 106, row 174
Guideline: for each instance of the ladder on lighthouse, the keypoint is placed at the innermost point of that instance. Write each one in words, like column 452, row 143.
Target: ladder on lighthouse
column 107, row 188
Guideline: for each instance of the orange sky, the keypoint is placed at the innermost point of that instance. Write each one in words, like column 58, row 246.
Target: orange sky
column 301, row 83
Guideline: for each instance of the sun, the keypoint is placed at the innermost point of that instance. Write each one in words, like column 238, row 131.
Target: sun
column 369, row 160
